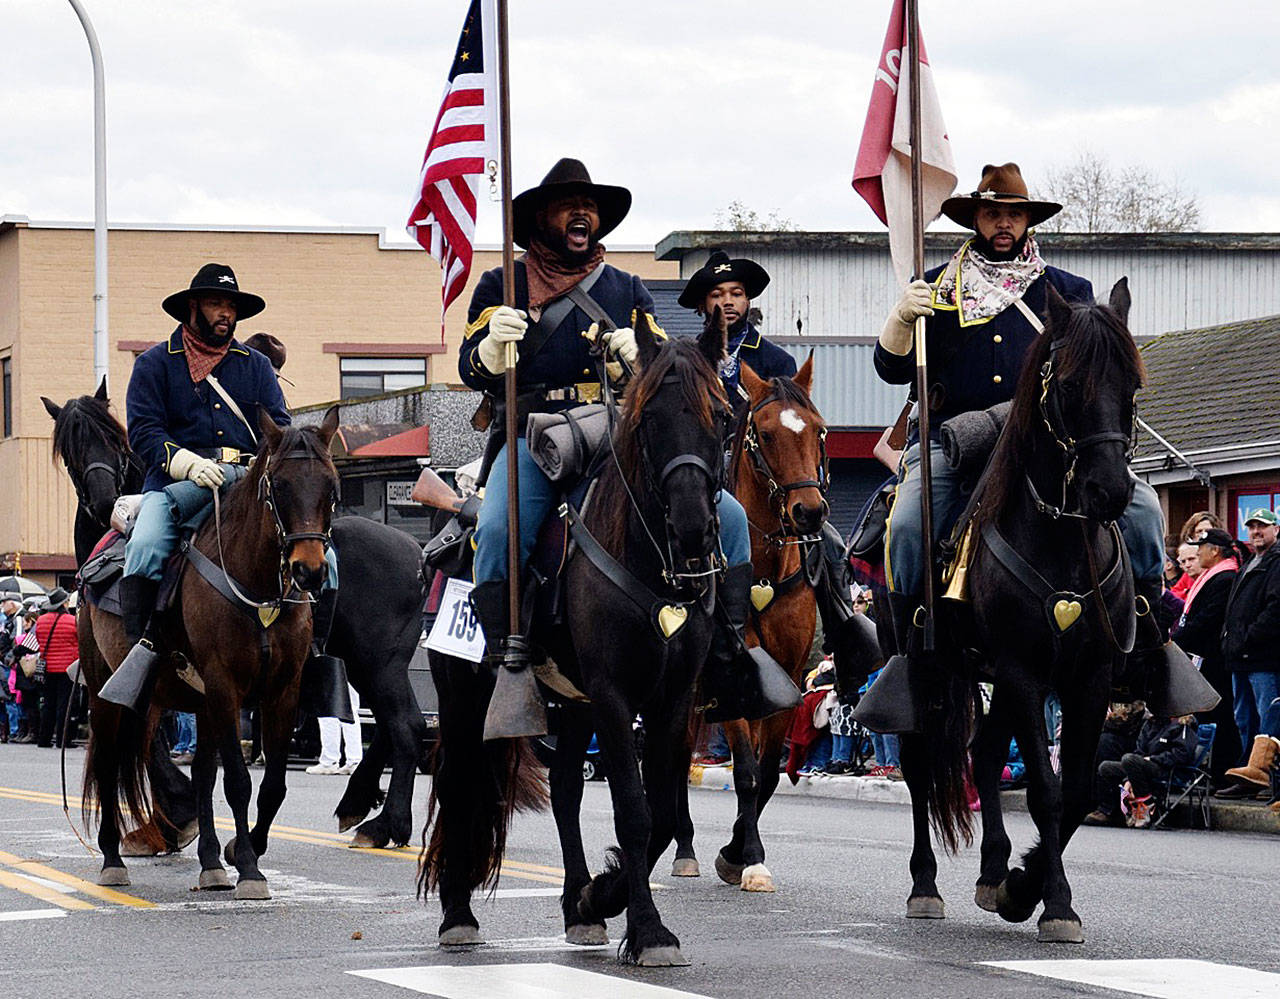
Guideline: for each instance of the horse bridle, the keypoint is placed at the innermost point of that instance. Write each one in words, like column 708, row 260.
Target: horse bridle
column 1071, row 448
column 778, row 492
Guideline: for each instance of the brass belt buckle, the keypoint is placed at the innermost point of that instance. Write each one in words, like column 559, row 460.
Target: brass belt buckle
column 228, row 455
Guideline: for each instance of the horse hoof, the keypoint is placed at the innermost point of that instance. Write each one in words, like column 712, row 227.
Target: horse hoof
column 685, row 867
column 138, row 843
column 186, row 835
column 730, row 874
column 1060, row 931
column 363, row 841
column 662, row 957
column 925, row 907
column 986, row 897
column 1009, row 910
column 113, row 877
column 349, row 822
column 587, row 935
column 214, row 879
column 756, row 877
column 252, row 890
column 458, row 937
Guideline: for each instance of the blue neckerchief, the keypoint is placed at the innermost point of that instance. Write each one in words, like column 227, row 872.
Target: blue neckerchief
column 730, row 369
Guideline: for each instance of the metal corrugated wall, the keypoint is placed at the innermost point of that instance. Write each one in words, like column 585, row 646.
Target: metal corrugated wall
column 846, row 388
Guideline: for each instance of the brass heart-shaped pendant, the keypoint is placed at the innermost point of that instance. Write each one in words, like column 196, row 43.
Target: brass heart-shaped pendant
column 672, row 618
column 761, row 595
column 1065, row 612
column 268, row 615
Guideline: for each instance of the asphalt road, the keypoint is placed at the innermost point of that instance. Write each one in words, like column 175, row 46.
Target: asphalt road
column 834, row 927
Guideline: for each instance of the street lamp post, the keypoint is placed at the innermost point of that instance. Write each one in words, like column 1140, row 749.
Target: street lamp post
column 99, row 201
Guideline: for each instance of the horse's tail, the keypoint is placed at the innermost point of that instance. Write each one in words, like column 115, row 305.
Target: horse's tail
column 949, row 725
column 510, row 780
column 120, row 741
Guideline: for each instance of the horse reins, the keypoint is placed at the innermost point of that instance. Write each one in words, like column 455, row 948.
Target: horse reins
column 778, row 492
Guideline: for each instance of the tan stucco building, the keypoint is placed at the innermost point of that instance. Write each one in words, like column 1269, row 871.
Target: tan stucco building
column 353, row 310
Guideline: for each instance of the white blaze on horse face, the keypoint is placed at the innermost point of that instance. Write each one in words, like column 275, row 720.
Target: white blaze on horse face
column 791, row 421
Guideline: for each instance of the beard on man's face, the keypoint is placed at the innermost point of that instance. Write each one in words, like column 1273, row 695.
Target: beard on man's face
column 985, row 247
column 557, row 241
column 207, row 334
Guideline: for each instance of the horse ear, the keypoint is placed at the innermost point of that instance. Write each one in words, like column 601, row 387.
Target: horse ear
column 804, row 377
column 52, row 407
column 269, row 428
column 755, row 385
column 646, row 341
column 328, row 426
column 1058, row 309
column 714, row 339
column 1121, row 300
column 101, row 394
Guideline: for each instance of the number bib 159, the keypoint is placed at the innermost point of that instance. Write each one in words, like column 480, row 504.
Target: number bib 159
column 457, row 630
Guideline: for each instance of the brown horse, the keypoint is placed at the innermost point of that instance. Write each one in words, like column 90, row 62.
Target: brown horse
column 265, row 548
column 778, row 474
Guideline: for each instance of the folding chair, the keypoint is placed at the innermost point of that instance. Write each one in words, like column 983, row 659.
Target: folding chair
column 1190, row 783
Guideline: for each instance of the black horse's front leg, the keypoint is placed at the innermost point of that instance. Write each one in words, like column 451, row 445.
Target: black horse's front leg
column 566, row 804
column 685, row 864
column 989, row 755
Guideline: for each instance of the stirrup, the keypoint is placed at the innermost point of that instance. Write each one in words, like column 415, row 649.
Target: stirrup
column 128, row 685
column 515, row 707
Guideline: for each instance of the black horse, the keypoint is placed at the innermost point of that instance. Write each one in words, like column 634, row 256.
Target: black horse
column 376, row 629
column 635, row 651
column 1053, row 604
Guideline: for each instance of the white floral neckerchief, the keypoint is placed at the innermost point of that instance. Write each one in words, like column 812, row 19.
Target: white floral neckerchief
column 986, row 287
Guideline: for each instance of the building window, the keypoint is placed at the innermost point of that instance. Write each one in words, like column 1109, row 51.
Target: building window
column 363, row 376
column 1264, row 497
column 6, row 376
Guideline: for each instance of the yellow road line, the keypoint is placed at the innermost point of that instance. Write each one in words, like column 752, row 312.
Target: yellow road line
column 43, row 892
column 71, row 881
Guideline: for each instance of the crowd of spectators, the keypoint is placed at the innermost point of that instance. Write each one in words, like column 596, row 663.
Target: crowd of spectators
column 37, row 647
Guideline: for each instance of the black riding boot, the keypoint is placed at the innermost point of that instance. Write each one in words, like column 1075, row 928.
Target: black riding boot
column 1174, row 687
column 849, row 638
column 324, row 676
column 738, row 682
column 129, row 686
column 891, row 704
column 516, row 707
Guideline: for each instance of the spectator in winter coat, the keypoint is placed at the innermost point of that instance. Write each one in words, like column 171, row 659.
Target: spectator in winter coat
column 1199, row 633
column 1163, row 743
column 1119, row 737
column 1251, row 648
column 56, row 633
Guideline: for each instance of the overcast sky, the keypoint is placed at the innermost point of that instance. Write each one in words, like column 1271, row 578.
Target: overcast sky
column 278, row 112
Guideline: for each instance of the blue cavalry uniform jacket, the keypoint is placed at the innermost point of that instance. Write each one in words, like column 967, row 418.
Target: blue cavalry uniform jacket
column 977, row 366
column 168, row 411
column 766, row 359
column 563, row 360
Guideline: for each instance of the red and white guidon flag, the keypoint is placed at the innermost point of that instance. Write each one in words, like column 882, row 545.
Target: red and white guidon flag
column 882, row 173
column 463, row 140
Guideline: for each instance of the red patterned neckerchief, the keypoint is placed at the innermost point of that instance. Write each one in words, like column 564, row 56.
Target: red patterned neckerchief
column 201, row 358
column 549, row 277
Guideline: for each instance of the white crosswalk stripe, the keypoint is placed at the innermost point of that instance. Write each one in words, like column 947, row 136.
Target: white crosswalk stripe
column 20, row 915
column 527, row 981
column 1161, row 979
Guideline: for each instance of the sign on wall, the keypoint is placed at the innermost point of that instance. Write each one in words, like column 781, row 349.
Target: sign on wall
column 398, row 493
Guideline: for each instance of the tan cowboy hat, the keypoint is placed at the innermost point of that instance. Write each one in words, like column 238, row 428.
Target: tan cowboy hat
column 1002, row 184
column 568, row 177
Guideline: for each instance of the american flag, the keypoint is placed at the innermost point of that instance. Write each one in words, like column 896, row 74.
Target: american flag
column 463, row 139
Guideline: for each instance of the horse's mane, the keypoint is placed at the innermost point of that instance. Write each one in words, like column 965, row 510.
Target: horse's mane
column 81, row 420
column 1095, row 339
column 700, row 386
column 783, row 389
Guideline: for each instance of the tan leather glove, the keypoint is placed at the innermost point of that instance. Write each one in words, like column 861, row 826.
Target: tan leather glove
column 202, row 471
column 506, row 325
column 622, row 343
column 916, row 300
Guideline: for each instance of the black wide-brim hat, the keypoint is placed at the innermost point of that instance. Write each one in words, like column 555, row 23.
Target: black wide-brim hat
column 567, row 178
column 718, row 269
column 1002, row 184
column 215, row 279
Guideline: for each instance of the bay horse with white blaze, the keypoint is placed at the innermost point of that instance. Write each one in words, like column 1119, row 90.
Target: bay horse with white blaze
column 1053, row 602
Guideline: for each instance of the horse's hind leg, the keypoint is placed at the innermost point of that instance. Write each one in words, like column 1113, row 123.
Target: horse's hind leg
column 396, row 713
column 204, row 770
column 363, row 792
column 989, row 755
column 566, row 805
column 685, row 864
column 925, row 901
column 102, row 772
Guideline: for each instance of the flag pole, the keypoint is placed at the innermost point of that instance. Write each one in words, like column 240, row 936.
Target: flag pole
column 922, row 367
column 515, row 708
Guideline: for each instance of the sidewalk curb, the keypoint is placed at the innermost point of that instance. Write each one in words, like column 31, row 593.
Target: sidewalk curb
column 1225, row 816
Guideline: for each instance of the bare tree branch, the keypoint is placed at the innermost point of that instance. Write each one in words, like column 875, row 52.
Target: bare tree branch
column 1097, row 198
column 739, row 218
